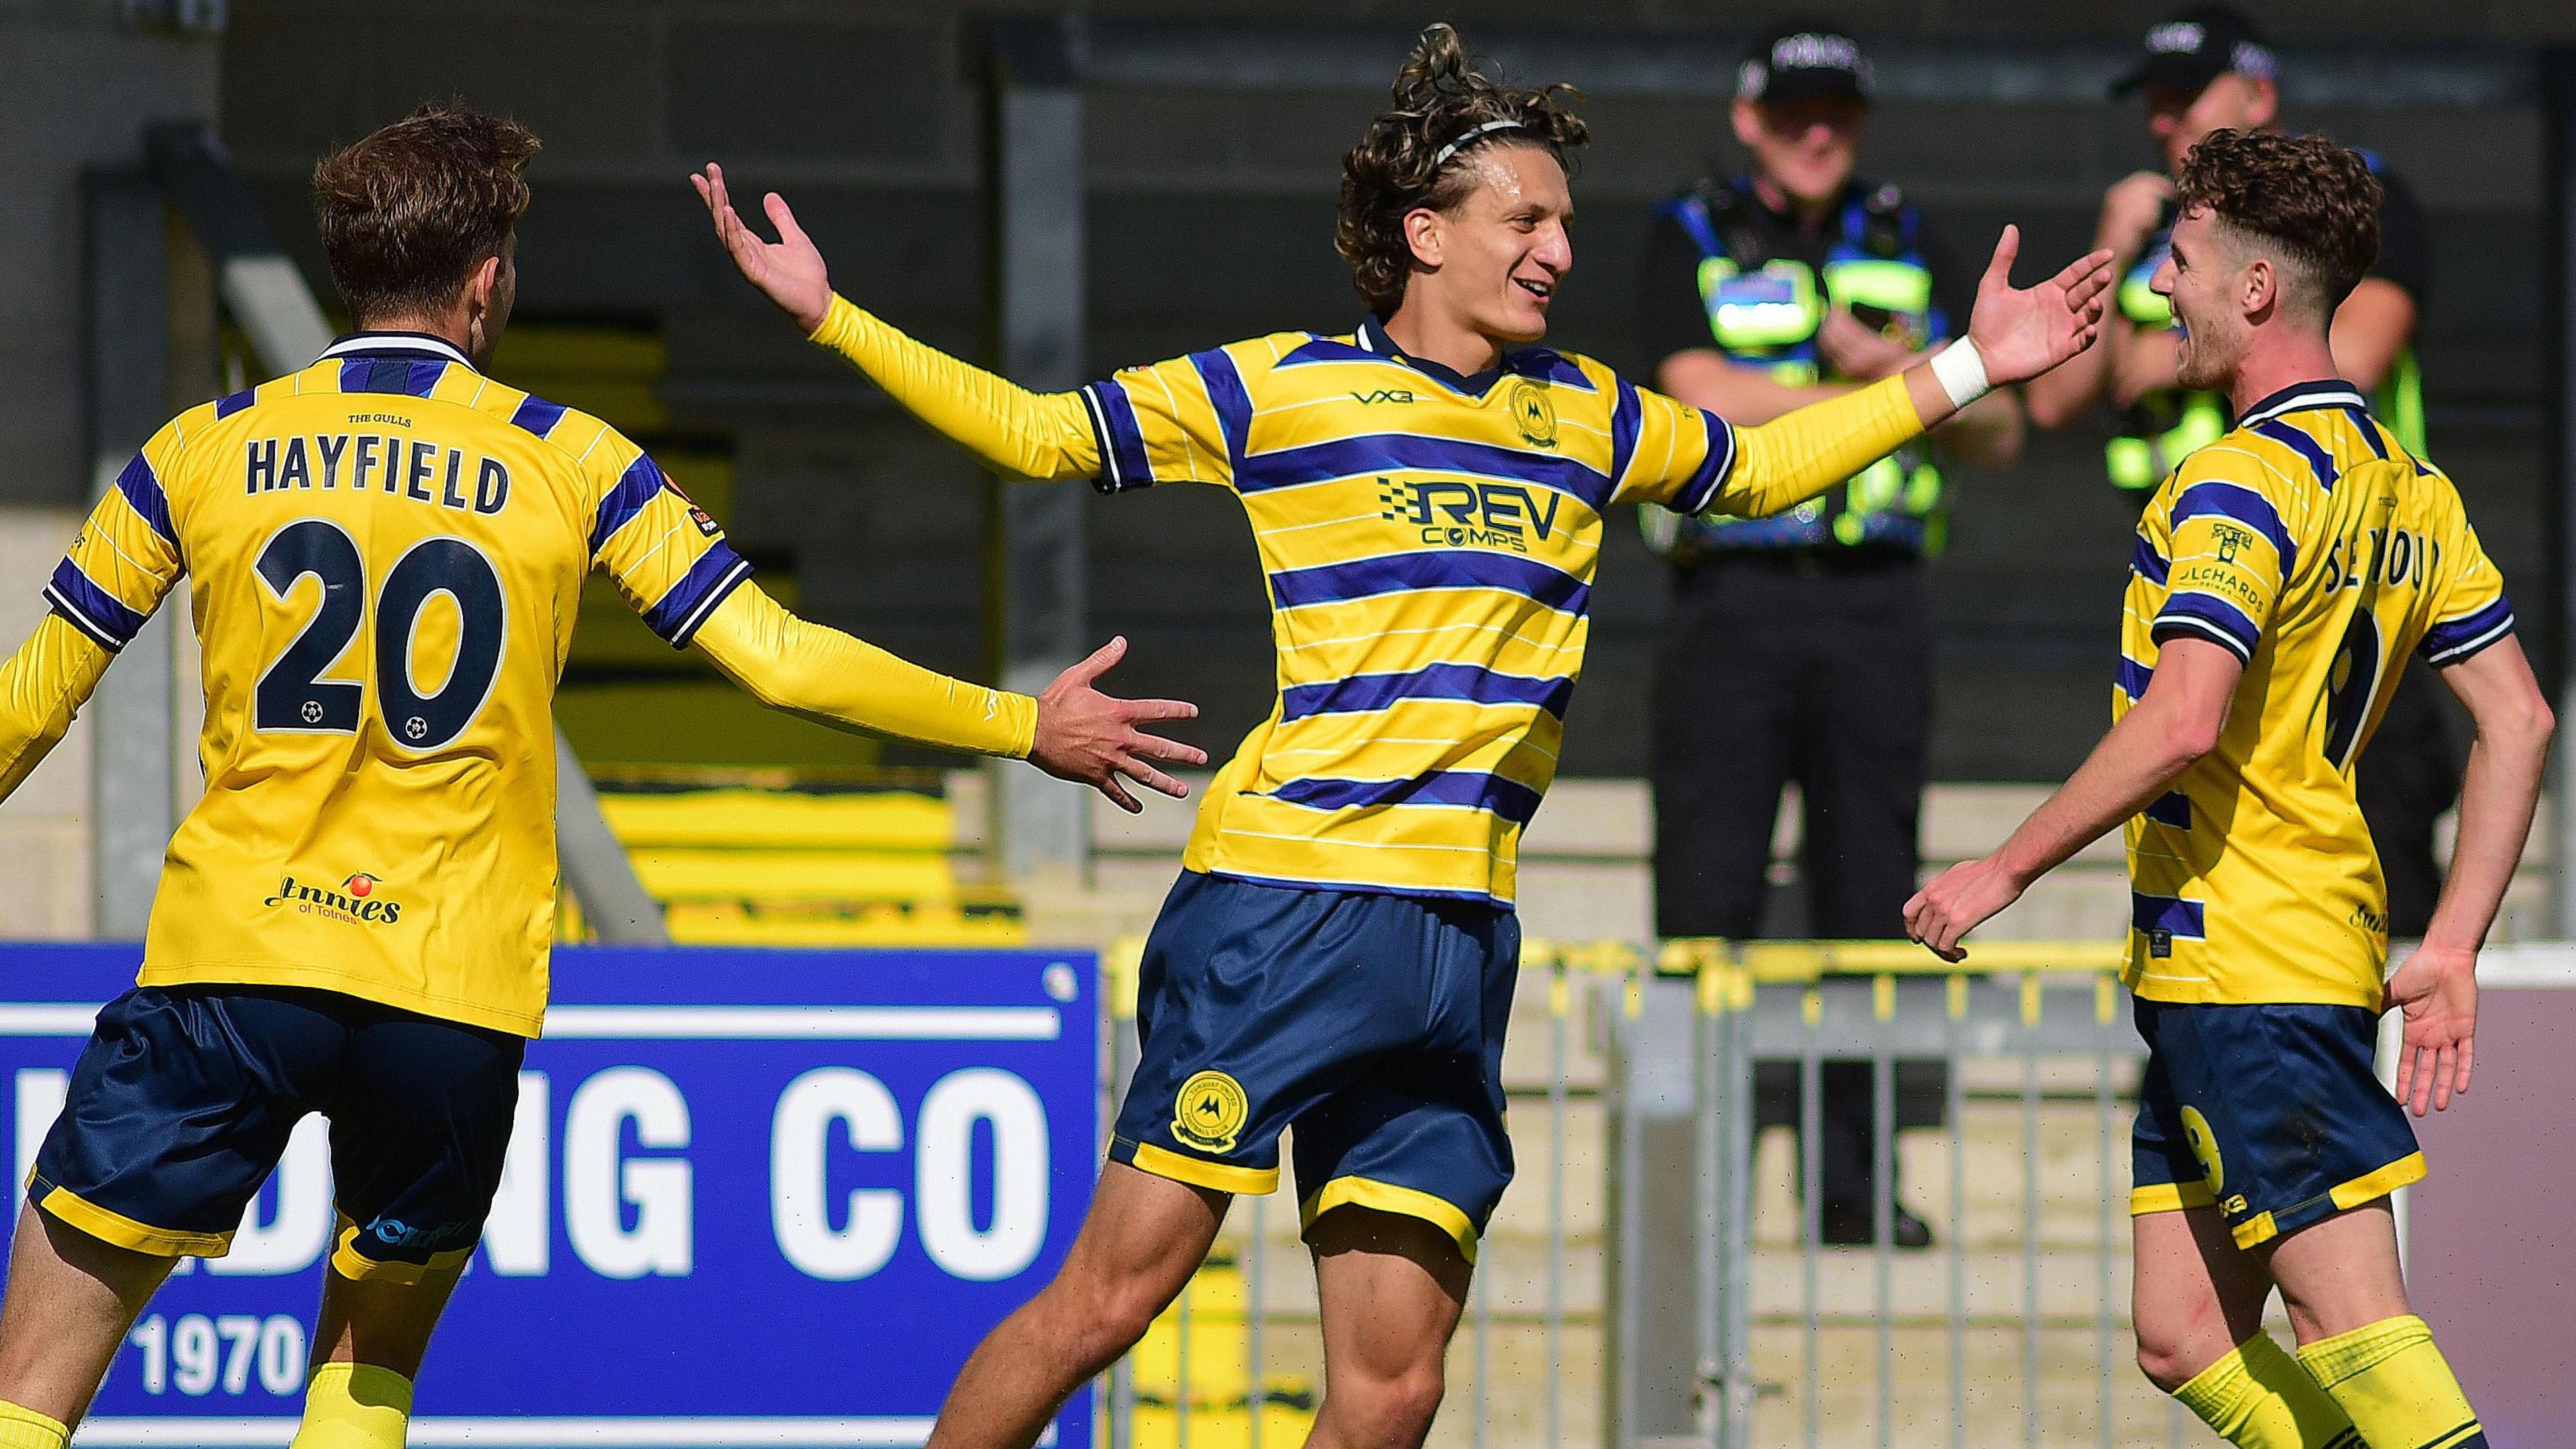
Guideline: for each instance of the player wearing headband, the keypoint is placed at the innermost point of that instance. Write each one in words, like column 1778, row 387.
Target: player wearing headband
column 1427, row 493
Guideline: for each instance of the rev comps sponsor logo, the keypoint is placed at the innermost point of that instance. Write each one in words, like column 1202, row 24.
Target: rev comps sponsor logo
column 360, row 899
column 1470, row 515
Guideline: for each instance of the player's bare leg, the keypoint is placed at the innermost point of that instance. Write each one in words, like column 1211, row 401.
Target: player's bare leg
column 1141, row 1241
column 1391, row 1289
column 71, row 1300
column 2194, row 1295
column 2198, row 1304
column 368, row 1342
column 386, row 1324
column 2341, row 1274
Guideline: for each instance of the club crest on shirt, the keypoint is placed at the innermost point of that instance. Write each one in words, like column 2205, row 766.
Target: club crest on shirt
column 1210, row 1112
column 1533, row 414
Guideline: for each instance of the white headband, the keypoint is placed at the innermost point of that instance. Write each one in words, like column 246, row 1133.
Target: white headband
column 1442, row 158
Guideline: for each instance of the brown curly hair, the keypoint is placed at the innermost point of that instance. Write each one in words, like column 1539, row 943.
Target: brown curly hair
column 1396, row 169
column 409, row 212
column 2313, row 202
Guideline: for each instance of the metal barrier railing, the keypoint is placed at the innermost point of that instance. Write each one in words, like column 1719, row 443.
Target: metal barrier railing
column 1995, row 1304
column 1658, row 1275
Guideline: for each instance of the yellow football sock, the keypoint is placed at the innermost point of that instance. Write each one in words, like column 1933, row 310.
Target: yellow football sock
column 2396, row 1386
column 2259, row 1398
column 354, row 1406
column 27, row 1429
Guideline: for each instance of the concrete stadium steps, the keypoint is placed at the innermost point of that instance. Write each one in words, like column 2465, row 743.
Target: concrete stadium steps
column 1585, row 872
column 753, row 859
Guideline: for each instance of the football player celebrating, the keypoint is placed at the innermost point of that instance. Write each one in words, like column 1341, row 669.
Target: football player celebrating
column 1427, row 493
column 386, row 552
column 2281, row 578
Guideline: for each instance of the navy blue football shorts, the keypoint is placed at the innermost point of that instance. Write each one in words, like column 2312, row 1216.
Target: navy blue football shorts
column 2272, row 1113
column 181, row 1105
column 1373, row 1024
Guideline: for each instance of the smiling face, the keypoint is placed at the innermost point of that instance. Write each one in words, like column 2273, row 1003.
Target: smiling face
column 2211, row 287
column 2179, row 119
column 1492, row 263
column 1806, row 148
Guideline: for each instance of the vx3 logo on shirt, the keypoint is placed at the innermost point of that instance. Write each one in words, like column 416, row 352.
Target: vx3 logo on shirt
column 1470, row 515
column 1383, row 395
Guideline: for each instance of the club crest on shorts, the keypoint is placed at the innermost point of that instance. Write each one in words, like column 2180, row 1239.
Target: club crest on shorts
column 2204, row 1149
column 1210, row 1112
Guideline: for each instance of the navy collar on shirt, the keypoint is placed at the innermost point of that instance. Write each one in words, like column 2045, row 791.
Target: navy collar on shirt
column 416, row 344
column 2332, row 392
column 1525, row 362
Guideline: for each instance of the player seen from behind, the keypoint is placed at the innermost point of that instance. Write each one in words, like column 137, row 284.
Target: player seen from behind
column 2282, row 576
column 385, row 554
column 1427, row 494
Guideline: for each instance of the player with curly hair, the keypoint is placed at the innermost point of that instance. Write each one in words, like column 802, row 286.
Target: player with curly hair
column 1427, row 493
column 2281, row 577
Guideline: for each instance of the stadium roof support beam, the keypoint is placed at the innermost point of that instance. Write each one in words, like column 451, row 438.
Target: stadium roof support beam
column 133, row 790
column 133, row 749
column 1039, row 549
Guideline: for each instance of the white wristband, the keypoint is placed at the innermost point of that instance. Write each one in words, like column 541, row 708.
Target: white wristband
column 1961, row 372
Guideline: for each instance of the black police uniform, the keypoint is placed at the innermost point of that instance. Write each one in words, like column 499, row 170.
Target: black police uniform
column 1802, row 647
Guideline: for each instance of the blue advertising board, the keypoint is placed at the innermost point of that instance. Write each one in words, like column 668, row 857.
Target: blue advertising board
column 753, row 1198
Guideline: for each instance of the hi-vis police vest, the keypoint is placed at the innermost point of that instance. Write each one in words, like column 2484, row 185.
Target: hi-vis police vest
column 1765, row 311
column 2164, row 427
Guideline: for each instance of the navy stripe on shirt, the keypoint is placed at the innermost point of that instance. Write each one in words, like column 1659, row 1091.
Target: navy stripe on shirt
column 2215, row 499
column 2186, row 919
column 92, row 610
column 1438, row 568
column 1509, row 799
column 634, row 489
column 2200, row 616
column 142, row 490
column 1464, row 683
column 718, row 572
column 2451, row 642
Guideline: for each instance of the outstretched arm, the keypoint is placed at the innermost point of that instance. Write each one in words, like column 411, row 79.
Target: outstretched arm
column 2013, row 334
column 1072, row 731
column 41, row 687
column 2175, row 722
column 1008, row 427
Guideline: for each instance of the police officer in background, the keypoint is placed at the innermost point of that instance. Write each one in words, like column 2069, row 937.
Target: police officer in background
column 1803, row 647
column 2206, row 68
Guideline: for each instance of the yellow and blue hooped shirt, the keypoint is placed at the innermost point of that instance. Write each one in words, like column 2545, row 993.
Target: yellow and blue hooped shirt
column 2310, row 543
column 1430, row 541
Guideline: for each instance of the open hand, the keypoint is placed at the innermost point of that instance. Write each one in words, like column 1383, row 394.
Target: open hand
column 2023, row 332
column 790, row 270
column 1090, row 737
column 2437, row 988
column 1958, row 901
